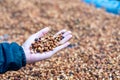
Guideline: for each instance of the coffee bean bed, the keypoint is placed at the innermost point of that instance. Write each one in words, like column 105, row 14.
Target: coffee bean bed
column 94, row 52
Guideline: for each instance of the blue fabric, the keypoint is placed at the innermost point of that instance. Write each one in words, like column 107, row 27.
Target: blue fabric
column 112, row 6
column 12, row 57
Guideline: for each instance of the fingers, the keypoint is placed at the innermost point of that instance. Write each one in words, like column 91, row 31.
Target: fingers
column 62, row 31
column 60, row 47
column 67, row 33
column 65, row 39
column 42, row 32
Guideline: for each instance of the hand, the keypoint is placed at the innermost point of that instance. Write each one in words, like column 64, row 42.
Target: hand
column 30, row 58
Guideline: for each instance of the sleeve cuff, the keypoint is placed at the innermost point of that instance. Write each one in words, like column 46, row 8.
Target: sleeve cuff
column 23, row 56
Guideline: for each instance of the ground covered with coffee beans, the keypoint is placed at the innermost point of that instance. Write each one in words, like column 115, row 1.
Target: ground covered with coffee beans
column 94, row 53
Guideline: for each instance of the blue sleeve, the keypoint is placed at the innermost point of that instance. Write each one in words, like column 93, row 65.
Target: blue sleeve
column 12, row 57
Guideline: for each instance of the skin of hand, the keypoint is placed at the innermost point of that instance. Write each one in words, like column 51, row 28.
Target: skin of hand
column 31, row 58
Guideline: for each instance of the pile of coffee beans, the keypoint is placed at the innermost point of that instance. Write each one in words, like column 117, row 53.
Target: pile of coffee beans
column 45, row 44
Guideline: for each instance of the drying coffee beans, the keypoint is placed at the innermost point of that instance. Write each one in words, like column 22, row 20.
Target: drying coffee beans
column 46, row 43
column 94, row 53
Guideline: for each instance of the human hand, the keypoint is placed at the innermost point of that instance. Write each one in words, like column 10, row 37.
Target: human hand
column 30, row 58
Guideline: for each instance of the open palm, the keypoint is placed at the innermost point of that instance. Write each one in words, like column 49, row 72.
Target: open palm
column 30, row 58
